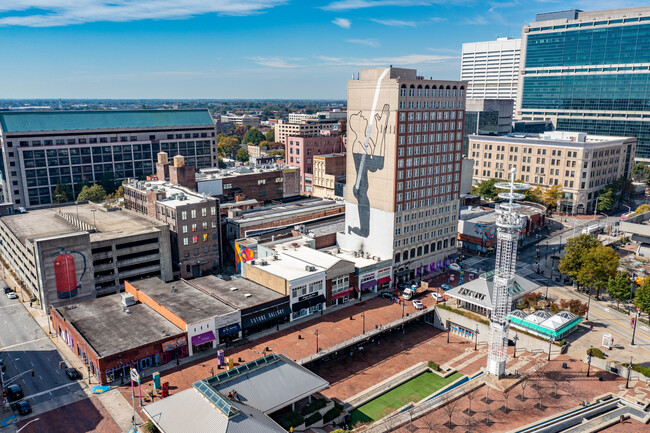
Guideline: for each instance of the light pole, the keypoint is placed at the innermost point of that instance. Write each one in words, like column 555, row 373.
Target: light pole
column 629, row 369
column 588, row 303
column 550, row 342
column 363, row 316
column 589, row 355
column 515, row 339
column 448, row 330
column 476, row 339
column 636, row 319
column 596, row 207
column 316, row 334
column 629, row 209
column 546, row 251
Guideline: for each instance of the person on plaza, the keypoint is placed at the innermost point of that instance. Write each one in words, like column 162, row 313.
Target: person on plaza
column 591, row 328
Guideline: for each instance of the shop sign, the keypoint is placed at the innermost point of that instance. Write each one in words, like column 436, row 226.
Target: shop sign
column 269, row 315
column 308, row 296
column 174, row 344
column 383, row 273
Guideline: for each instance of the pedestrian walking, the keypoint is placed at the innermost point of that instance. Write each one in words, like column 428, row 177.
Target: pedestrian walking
column 591, row 328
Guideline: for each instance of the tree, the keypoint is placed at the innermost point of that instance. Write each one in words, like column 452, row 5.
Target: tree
column 642, row 209
column 599, row 264
column 575, row 250
column 642, row 297
column 449, row 407
column 552, row 196
column 270, row 135
column 641, row 172
column 541, row 393
column 278, row 153
column 229, row 146
column 535, row 195
column 221, row 163
column 61, row 193
column 505, row 392
column 523, row 384
column 120, row 192
column 574, row 306
column 470, row 396
column 241, row 130
column 624, row 188
column 486, row 189
column 253, row 135
column 108, row 182
column 93, row 193
column 242, row 155
column 606, row 199
column 619, row 287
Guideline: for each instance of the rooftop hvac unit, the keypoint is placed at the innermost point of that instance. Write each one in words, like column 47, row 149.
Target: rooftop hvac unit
column 310, row 268
column 128, row 299
column 263, row 262
column 233, row 289
column 275, row 257
column 247, row 295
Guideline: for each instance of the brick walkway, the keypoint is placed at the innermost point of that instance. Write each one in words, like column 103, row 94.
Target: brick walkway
column 87, row 415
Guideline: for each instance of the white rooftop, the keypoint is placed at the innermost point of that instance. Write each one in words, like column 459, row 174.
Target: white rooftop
column 312, row 256
column 182, row 196
column 287, row 267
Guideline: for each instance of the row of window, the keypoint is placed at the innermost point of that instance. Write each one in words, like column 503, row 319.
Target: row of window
column 424, row 226
column 399, row 207
column 196, row 251
column 423, row 250
column 430, row 104
column 306, row 289
column 195, row 239
column 417, row 116
column 421, row 91
column 429, row 138
column 426, row 127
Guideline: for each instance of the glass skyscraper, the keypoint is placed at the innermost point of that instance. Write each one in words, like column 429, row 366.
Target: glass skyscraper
column 589, row 72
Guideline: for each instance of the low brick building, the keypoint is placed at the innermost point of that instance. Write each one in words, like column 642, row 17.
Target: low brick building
column 329, row 176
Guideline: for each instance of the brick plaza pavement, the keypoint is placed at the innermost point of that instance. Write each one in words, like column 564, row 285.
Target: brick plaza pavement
column 573, row 388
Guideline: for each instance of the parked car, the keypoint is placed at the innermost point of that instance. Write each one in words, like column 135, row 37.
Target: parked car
column 446, row 287
column 23, row 407
column 14, row 392
column 436, row 296
column 72, row 373
column 387, row 295
column 8, row 289
column 11, row 295
column 417, row 304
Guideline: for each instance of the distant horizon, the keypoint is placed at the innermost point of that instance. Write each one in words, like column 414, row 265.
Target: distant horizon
column 242, row 49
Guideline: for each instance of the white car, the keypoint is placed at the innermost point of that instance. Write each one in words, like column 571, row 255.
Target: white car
column 12, row 295
column 417, row 304
column 436, row 297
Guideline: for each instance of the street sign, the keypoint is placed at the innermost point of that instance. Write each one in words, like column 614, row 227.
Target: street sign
column 135, row 376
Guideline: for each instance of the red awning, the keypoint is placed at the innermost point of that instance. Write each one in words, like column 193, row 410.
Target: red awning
column 383, row 280
column 342, row 293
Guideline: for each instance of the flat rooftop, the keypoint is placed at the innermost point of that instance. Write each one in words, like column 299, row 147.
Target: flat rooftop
column 41, row 223
column 183, row 299
column 285, row 267
column 176, row 195
column 552, row 139
column 359, row 261
column 248, row 293
column 109, row 330
column 256, row 215
column 489, row 215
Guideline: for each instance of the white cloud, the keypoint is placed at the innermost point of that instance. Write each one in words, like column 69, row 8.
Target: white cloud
column 409, row 59
column 50, row 13
column 277, row 62
column 395, row 23
column 341, row 5
column 476, row 21
column 437, row 19
column 342, row 22
column 370, row 42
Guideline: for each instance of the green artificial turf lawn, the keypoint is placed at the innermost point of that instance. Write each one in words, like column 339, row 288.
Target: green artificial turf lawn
column 414, row 390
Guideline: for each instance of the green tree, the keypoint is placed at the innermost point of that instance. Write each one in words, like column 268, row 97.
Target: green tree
column 535, row 195
column 487, row 189
column 242, row 155
column 93, row 193
column 108, row 182
column 575, row 250
column 642, row 297
column 270, row 135
column 253, row 135
column 220, row 137
column 606, row 199
column 278, row 153
column 61, row 193
column 221, row 163
column 620, row 287
column 229, row 147
column 641, row 172
column 241, row 130
column 599, row 265
column 552, row 196
column 624, row 189
column 120, row 192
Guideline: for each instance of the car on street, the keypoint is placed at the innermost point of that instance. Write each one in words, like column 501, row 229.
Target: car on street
column 436, row 296
column 446, row 287
column 8, row 289
column 387, row 295
column 417, row 304
column 72, row 373
column 14, row 392
column 23, row 407
column 11, row 295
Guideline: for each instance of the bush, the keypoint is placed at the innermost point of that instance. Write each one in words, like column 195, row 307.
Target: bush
column 331, row 414
column 149, row 427
column 290, row 419
column 313, row 406
column 311, row 419
column 596, row 352
column 643, row 370
column 561, row 342
column 433, row 366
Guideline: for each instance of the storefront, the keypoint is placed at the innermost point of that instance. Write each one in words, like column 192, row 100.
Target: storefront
column 368, row 283
column 308, row 304
column 383, row 278
column 174, row 349
column 270, row 317
column 229, row 333
column 342, row 296
column 203, row 342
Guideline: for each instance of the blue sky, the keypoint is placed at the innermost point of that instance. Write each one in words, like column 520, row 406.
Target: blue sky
column 241, row 48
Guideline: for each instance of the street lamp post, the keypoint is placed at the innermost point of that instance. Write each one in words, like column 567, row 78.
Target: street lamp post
column 596, row 207
column 589, row 355
column 94, row 220
column 316, row 333
column 588, row 302
column 550, row 342
column 448, row 331
column 514, row 352
column 363, row 316
column 476, row 339
column 636, row 319
column 629, row 369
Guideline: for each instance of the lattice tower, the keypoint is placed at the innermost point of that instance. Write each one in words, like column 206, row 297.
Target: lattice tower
column 509, row 223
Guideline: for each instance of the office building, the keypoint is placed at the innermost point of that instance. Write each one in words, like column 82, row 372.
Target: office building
column 329, row 176
column 300, row 152
column 405, row 135
column 43, row 149
column 487, row 117
column 491, row 68
column 306, row 128
column 589, row 71
column 581, row 164
column 69, row 253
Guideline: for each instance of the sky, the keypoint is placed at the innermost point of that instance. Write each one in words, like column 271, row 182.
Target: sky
column 242, row 49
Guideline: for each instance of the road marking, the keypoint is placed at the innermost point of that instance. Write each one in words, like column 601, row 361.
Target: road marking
column 11, row 305
column 24, row 342
column 49, row 391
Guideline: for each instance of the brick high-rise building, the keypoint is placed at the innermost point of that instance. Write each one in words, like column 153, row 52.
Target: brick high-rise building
column 405, row 135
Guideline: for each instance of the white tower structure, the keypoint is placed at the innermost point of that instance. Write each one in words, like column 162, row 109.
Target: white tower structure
column 509, row 224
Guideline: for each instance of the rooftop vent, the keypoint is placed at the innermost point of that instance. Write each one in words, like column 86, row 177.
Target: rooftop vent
column 71, row 307
column 310, row 268
column 127, row 300
column 247, row 295
column 233, row 289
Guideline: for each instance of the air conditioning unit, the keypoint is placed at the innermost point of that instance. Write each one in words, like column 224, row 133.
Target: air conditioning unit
column 263, row 262
column 128, row 299
column 275, row 257
column 233, row 289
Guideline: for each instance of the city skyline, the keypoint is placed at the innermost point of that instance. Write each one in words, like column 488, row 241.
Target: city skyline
column 241, row 49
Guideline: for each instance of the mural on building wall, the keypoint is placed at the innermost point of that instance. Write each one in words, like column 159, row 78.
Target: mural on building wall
column 242, row 254
column 368, row 152
column 486, row 231
column 65, row 272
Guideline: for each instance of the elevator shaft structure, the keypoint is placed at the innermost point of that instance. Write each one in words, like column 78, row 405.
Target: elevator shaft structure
column 509, row 224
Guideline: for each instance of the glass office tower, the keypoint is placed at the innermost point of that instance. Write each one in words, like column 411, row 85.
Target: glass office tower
column 589, row 72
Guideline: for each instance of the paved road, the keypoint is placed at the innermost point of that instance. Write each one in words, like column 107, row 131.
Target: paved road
column 25, row 347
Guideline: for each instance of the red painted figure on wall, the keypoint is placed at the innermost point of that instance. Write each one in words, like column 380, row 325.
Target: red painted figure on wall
column 65, row 273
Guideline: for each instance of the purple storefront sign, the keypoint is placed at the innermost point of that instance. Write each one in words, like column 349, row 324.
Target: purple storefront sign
column 368, row 285
column 206, row 337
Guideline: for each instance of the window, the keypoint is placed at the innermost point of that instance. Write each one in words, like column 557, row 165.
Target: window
column 185, row 241
column 185, row 229
column 195, row 239
column 184, row 215
column 204, row 211
column 193, row 213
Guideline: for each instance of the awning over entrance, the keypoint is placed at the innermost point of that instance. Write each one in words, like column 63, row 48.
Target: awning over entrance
column 308, row 303
column 200, row 339
column 266, row 316
column 368, row 285
column 342, row 293
column 383, row 280
column 230, row 329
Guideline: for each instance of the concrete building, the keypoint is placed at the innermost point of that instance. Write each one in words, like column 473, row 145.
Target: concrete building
column 588, row 71
column 491, row 68
column 488, row 116
column 43, row 149
column 329, row 176
column 262, row 183
column 287, row 275
column 403, row 168
column 241, row 120
column 111, row 336
column 69, row 253
column 581, row 164
column 306, row 128
column 301, row 151
column 334, row 114
column 193, row 219
column 372, row 273
column 207, row 321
